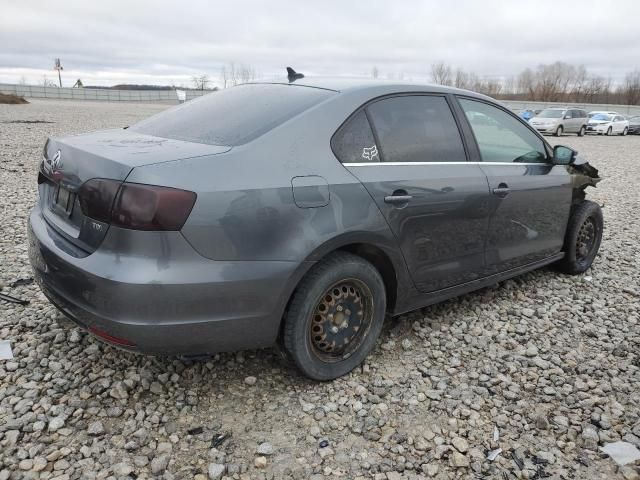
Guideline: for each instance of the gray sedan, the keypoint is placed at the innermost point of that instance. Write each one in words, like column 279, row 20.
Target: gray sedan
column 300, row 213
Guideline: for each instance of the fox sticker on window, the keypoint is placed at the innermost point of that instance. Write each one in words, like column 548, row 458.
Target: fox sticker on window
column 369, row 153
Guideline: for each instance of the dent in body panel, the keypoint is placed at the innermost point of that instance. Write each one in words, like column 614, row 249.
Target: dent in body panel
column 266, row 224
column 530, row 222
column 442, row 229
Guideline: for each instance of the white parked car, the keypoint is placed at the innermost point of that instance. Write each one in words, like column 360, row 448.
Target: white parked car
column 607, row 123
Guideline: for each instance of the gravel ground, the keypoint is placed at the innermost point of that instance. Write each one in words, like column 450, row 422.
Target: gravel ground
column 545, row 367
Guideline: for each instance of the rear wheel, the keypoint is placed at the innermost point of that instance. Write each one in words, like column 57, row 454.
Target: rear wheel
column 335, row 316
column 559, row 130
column 582, row 131
column 624, row 132
column 583, row 238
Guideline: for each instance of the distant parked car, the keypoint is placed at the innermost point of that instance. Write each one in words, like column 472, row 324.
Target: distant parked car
column 561, row 120
column 634, row 125
column 527, row 114
column 608, row 124
column 596, row 112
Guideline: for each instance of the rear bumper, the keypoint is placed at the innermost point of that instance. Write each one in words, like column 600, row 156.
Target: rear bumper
column 162, row 296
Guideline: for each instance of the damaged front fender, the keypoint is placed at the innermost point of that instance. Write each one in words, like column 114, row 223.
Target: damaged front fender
column 584, row 174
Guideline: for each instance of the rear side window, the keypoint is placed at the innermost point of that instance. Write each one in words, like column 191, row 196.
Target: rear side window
column 501, row 137
column 233, row 116
column 416, row 128
column 354, row 141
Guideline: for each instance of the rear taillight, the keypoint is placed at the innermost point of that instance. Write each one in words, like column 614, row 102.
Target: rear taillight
column 147, row 207
column 96, row 198
column 136, row 206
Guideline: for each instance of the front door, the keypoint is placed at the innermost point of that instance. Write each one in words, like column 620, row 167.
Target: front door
column 435, row 202
column 531, row 197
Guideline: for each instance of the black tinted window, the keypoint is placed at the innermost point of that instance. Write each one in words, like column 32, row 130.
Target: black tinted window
column 501, row 137
column 416, row 129
column 354, row 142
column 232, row 116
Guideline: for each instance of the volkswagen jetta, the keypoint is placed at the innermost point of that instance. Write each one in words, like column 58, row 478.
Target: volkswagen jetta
column 301, row 213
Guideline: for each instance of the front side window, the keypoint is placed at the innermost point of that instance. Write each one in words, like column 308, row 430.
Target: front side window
column 417, row 128
column 354, row 141
column 503, row 138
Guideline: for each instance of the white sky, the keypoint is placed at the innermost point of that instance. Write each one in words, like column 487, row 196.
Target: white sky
column 167, row 42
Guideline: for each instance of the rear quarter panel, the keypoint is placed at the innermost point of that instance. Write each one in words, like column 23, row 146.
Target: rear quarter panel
column 245, row 208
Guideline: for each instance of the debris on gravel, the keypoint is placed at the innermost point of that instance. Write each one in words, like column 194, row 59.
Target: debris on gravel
column 551, row 361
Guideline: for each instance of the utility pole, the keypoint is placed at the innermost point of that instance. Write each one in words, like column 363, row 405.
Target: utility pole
column 58, row 67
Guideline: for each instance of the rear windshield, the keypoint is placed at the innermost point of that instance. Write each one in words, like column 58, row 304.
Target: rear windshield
column 233, row 116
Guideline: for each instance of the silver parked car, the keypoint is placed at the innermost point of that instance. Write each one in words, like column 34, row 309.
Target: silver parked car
column 301, row 213
column 557, row 121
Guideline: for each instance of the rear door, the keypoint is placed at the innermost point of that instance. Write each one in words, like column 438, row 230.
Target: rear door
column 531, row 197
column 414, row 165
column 573, row 121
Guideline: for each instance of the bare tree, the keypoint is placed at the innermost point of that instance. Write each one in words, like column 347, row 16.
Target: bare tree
column 461, row 79
column 233, row 74
column 224, row 76
column 200, row 82
column 22, row 81
column 46, row 82
column 246, row 74
column 630, row 89
column 374, row 72
column 441, row 73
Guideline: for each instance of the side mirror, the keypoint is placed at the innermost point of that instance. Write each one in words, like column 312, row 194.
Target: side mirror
column 567, row 116
column 563, row 155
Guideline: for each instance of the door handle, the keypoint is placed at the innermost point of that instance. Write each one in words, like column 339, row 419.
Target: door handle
column 502, row 190
column 398, row 197
column 395, row 199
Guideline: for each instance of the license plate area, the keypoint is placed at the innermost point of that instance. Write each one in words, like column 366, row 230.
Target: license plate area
column 63, row 200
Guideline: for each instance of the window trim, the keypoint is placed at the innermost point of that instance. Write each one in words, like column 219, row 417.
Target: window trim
column 452, row 108
column 548, row 149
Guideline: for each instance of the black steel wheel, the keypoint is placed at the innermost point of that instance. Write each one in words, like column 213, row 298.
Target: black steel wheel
column 335, row 316
column 341, row 320
column 583, row 238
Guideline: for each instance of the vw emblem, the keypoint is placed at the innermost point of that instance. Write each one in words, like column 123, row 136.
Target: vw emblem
column 56, row 161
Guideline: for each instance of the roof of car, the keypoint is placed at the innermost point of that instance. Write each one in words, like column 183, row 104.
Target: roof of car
column 348, row 84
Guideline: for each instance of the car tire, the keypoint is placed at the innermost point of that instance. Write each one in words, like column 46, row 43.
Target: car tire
column 582, row 131
column 558, row 132
column 610, row 132
column 624, row 132
column 335, row 316
column 583, row 238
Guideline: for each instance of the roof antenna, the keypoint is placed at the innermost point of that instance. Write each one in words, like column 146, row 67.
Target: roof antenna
column 293, row 75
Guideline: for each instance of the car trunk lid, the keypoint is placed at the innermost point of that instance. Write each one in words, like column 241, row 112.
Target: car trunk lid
column 109, row 154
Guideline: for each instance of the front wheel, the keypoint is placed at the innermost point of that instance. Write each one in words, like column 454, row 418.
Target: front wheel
column 582, row 131
column 610, row 132
column 558, row 132
column 335, row 316
column 583, row 238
